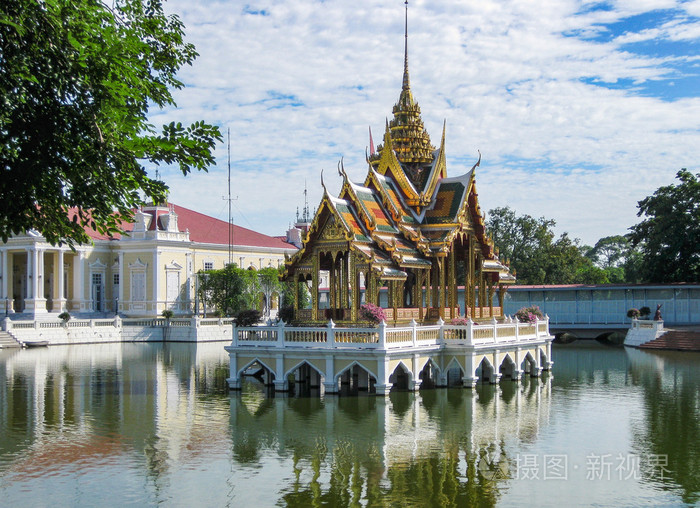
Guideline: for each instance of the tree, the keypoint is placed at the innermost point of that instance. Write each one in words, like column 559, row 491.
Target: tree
column 229, row 290
column 609, row 251
column 269, row 284
column 76, row 81
column 536, row 255
column 669, row 234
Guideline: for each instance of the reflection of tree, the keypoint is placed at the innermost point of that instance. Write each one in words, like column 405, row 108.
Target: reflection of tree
column 439, row 479
column 672, row 424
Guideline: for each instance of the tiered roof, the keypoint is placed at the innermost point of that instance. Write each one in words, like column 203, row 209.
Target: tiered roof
column 406, row 211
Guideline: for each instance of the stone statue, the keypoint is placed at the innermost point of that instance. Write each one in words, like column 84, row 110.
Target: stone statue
column 657, row 314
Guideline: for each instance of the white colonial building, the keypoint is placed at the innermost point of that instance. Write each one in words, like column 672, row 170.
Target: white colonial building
column 141, row 273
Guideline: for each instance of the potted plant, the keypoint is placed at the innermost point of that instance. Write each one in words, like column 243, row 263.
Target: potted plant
column 644, row 312
column 529, row 314
column 372, row 313
column 633, row 313
column 64, row 317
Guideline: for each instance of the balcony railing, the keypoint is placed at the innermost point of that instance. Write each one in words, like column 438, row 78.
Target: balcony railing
column 384, row 337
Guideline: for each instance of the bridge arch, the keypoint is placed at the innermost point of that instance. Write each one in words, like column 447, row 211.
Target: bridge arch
column 356, row 376
column 429, row 374
column 267, row 377
column 306, row 375
column 454, row 373
column 508, row 368
column 485, row 370
column 529, row 365
column 401, row 378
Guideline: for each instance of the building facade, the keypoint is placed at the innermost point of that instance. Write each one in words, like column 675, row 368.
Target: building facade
column 149, row 269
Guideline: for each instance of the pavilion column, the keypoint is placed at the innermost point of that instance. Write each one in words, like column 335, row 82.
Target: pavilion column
column 314, row 287
column 419, row 293
column 354, row 287
column 489, row 290
column 482, row 286
column 472, row 276
column 452, row 283
column 442, row 290
column 331, row 284
column 435, row 276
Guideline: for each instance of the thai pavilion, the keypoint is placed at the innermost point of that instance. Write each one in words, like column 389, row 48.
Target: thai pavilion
column 408, row 227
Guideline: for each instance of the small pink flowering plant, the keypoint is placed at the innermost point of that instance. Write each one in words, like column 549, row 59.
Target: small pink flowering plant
column 529, row 314
column 373, row 313
column 459, row 321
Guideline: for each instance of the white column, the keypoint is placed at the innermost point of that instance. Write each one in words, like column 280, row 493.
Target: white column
column 59, row 299
column 3, row 275
column 38, row 274
column 78, row 281
column 155, row 282
column 122, row 280
column 29, row 277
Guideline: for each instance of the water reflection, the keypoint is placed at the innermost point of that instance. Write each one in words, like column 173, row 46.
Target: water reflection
column 147, row 424
column 439, row 447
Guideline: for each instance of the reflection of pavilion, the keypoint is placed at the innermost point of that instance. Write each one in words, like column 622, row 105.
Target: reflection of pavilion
column 381, row 439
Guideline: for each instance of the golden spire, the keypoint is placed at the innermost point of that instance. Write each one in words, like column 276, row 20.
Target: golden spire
column 411, row 141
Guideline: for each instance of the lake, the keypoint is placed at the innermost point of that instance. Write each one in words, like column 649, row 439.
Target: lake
column 151, row 424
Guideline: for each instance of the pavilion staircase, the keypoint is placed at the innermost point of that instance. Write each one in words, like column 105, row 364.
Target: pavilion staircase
column 678, row 340
column 7, row 341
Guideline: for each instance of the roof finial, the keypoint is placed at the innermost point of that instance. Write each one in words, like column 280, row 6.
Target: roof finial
column 406, row 83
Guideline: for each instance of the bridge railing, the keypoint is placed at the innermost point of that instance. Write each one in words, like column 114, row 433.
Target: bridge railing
column 384, row 337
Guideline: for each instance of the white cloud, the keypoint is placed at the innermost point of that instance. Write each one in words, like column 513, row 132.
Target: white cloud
column 299, row 87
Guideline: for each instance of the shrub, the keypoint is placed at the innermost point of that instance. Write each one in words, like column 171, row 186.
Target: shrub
column 529, row 314
column 248, row 317
column 286, row 314
column 644, row 312
column 633, row 313
column 167, row 313
column 459, row 321
column 372, row 313
column 64, row 316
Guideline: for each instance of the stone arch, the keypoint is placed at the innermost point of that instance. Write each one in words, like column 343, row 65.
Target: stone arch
column 508, row 368
column 528, row 365
column 543, row 356
column 267, row 377
column 429, row 375
column 454, row 372
column 304, row 377
column 485, row 370
column 356, row 377
column 401, row 378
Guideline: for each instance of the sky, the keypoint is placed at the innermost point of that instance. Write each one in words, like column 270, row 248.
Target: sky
column 580, row 109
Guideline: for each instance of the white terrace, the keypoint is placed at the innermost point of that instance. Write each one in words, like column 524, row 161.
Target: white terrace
column 378, row 358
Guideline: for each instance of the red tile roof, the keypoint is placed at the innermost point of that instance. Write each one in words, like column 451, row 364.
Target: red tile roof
column 205, row 229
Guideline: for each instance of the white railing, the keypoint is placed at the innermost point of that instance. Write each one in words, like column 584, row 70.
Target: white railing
column 384, row 337
column 116, row 322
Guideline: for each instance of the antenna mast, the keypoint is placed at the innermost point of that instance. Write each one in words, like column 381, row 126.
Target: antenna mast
column 229, row 199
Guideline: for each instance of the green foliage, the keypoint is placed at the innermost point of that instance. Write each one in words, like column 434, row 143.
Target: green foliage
column 77, row 78
column 269, row 279
column 536, row 255
column 248, row 317
column 64, row 316
column 669, row 235
column 644, row 312
column 633, row 313
column 286, row 314
column 229, row 290
column 288, row 294
column 167, row 314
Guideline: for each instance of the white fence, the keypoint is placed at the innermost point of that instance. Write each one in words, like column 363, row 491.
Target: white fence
column 383, row 337
column 89, row 331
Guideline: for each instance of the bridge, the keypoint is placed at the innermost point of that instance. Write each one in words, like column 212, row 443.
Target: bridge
column 589, row 311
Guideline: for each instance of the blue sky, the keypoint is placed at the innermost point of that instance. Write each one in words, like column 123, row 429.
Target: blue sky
column 580, row 108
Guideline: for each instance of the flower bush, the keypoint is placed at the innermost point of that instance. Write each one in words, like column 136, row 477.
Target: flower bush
column 644, row 312
column 529, row 314
column 633, row 313
column 372, row 313
column 459, row 321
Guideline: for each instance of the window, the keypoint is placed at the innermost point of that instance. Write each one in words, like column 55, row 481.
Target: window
column 138, row 286
column 115, row 279
column 208, row 265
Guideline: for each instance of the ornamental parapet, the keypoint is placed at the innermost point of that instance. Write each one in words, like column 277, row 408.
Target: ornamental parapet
column 507, row 332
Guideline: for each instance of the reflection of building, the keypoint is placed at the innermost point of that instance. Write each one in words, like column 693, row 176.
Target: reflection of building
column 407, row 226
column 142, row 273
column 381, row 441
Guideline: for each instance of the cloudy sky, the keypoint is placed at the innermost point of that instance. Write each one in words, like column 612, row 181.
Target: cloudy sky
column 580, row 108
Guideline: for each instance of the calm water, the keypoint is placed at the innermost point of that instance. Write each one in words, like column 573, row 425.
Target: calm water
column 142, row 424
